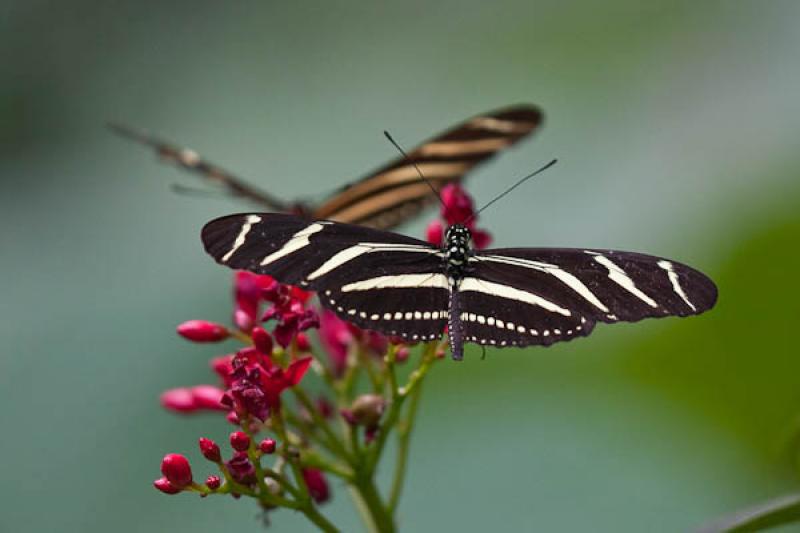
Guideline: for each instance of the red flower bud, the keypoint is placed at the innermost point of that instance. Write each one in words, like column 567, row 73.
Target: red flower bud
column 176, row 469
column 213, row 482
column 317, row 485
column 267, row 446
column 302, row 342
column 262, row 340
column 434, row 233
column 202, row 331
column 240, row 441
column 402, row 354
column 165, row 486
column 210, row 450
column 191, row 399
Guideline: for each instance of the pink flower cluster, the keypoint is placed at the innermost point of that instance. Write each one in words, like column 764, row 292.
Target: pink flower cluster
column 458, row 208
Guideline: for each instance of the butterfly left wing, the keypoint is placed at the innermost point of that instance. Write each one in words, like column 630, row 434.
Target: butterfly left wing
column 375, row 279
column 540, row 296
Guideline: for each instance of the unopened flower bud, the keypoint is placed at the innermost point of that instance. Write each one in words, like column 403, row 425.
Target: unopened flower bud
column 401, row 356
column 213, row 482
column 434, row 233
column 267, row 446
column 440, row 353
column 317, row 485
column 210, row 450
column 302, row 342
column 202, row 331
column 239, row 441
column 176, row 469
column 165, row 486
column 262, row 340
column 367, row 409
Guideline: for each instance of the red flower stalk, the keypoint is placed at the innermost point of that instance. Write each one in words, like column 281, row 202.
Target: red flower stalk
column 176, row 469
column 458, row 208
column 317, row 485
column 257, row 383
column 202, row 331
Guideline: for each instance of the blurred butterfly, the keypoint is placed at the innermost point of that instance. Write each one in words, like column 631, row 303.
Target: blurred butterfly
column 393, row 193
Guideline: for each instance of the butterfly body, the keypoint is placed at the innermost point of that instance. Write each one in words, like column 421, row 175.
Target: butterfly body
column 402, row 286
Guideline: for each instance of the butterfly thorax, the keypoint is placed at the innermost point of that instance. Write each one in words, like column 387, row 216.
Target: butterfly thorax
column 456, row 250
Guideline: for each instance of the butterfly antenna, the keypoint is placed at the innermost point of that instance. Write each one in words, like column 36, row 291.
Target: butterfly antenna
column 421, row 175
column 517, row 184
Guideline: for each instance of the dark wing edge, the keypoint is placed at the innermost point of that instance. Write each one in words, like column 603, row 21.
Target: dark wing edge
column 191, row 161
column 393, row 193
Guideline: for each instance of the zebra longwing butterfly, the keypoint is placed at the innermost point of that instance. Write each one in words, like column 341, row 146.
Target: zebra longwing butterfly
column 392, row 193
column 402, row 286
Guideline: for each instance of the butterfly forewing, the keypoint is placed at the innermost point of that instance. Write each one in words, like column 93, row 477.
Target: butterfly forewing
column 394, row 192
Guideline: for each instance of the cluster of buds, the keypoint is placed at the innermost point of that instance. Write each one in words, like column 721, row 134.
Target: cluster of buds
column 457, row 208
column 286, row 444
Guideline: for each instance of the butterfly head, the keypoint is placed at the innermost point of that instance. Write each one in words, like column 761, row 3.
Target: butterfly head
column 457, row 247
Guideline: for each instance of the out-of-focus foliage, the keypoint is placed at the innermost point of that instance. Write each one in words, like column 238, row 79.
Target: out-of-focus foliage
column 676, row 127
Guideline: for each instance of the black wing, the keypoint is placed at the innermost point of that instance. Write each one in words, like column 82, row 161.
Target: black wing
column 190, row 160
column 375, row 279
column 394, row 193
column 540, row 296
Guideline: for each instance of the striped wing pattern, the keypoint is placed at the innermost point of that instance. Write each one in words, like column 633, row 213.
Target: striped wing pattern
column 506, row 297
column 394, row 192
column 391, row 194
column 539, row 296
column 374, row 279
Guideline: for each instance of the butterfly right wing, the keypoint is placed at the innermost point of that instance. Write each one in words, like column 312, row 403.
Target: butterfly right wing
column 394, row 193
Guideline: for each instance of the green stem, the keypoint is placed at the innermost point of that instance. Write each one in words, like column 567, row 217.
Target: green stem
column 403, row 440
column 380, row 517
column 399, row 394
column 333, row 440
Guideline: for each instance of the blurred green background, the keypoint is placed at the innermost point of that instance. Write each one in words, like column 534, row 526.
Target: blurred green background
column 677, row 128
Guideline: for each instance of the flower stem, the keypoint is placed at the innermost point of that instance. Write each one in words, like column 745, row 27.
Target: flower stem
column 403, row 440
column 380, row 518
